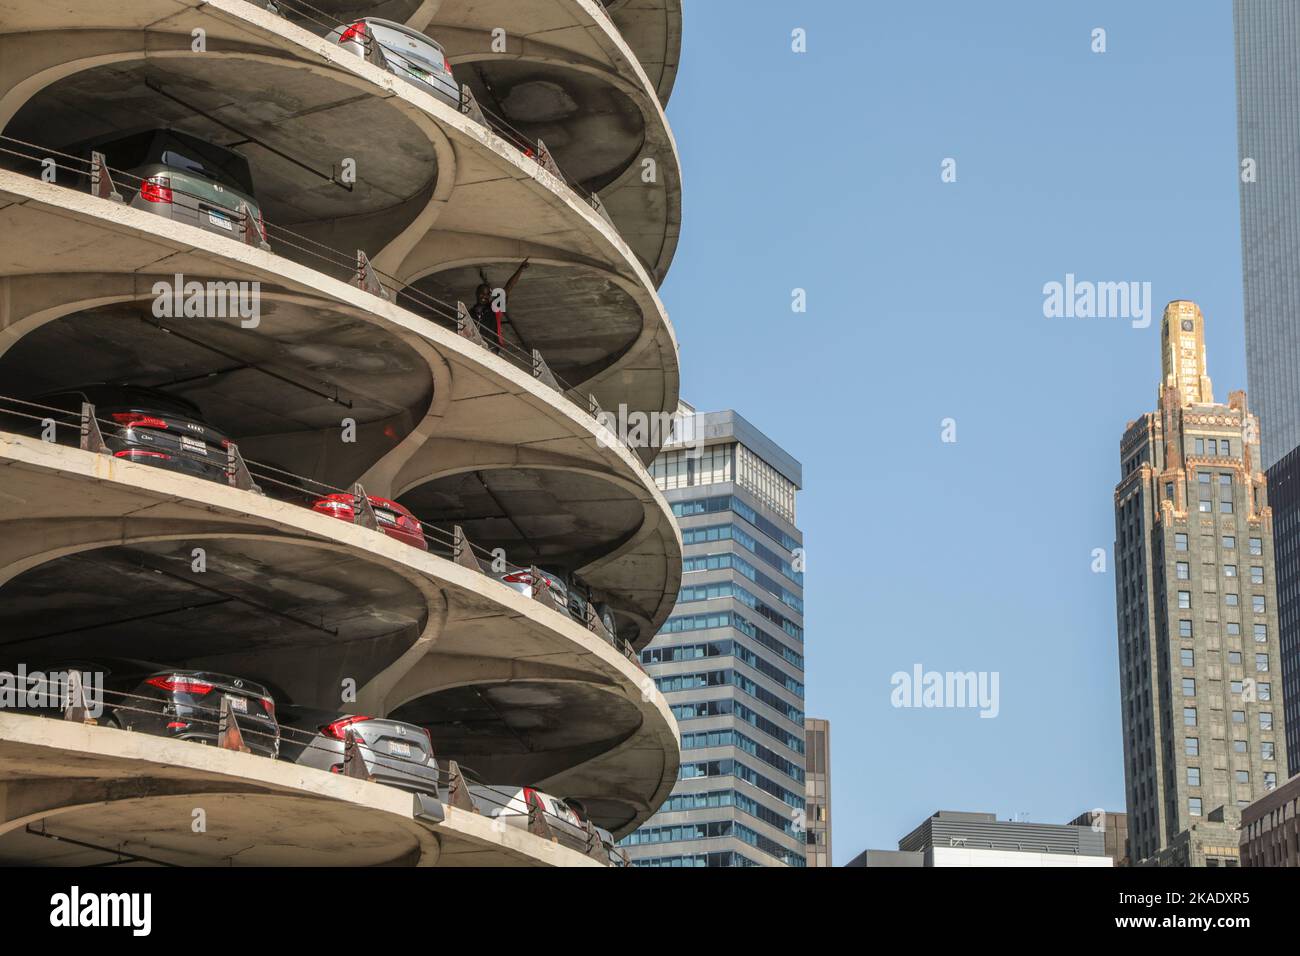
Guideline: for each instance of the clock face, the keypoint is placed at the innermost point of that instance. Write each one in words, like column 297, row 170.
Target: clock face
column 1187, row 325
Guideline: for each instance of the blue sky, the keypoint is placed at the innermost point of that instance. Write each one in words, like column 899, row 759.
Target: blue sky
column 822, row 171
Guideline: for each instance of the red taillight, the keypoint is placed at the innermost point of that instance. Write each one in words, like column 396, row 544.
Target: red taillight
column 139, row 453
column 180, row 685
column 338, row 729
column 446, row 65
column 138, row 420
column 340, row 509
column 518, row 577
column 354, row 32
column 269, row 705
column 157, row 189
column 177, row 725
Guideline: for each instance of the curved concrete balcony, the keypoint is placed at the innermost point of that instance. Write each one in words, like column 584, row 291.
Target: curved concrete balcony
column 564, row 72
column 429, row 406
column 653, row 29
column 438, row 197
column 97, row 561
column 80, row 795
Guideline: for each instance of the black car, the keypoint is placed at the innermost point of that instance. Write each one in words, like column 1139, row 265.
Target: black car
column 187, row 705
column 165, row 702
column 141, row 424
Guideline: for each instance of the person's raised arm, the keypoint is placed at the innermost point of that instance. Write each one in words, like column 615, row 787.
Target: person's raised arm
column 510, row 283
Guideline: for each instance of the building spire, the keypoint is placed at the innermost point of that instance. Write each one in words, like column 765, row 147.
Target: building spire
column 1182, row 352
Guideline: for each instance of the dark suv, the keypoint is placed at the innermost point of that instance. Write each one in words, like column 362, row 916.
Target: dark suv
column 141, row 424
column 187, row 705
column 184, row 178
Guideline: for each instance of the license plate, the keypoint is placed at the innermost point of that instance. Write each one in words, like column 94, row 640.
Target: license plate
column 385, row 516
column 189, row 444
column 238, row 704
column 217, row 219
column 399, row 749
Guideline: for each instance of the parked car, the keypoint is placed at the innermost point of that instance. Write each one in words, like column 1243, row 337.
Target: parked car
column 570, row 598
column 183, row 704
column 511, row 805
column 395, row 753
column 139, row 424
column 183, row 178
column 407, row 53
column 394, row 519
column 617, row 856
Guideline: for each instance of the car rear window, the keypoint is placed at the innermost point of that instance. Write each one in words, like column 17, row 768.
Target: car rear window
column 204, row 159
column 399, row 41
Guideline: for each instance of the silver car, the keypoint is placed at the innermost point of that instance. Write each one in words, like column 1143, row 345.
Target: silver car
column 408, row 54
column 186, row 179
column 395, row 753
column 521, row 580
column 513, row 805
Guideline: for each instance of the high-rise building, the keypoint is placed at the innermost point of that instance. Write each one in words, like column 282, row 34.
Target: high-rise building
column 729, row 659
column 1267, row 36
column 1114, row 830
column 817, row 817
column 1196, row 610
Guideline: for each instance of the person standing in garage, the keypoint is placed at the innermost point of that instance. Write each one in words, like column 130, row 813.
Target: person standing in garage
column 491, row 320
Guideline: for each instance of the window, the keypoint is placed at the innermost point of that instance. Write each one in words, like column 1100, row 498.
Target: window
column 1189, row 686
column 1256, row 545
column 1229, row 542
column 1183, row 571
column 1225, row 506
column 1189, row 716
column 1184, row 600
column 1265, row 720
column 1234, row 628
column 1261, row 663
column 1256, row 574
column 1238, row 716
column 1193, row 776
column 1264, row 690
column 1188, row 657
column 1243, row 776
column 1266, row 750
column 1261, row 633
column 1192, row 746
column 1225, row 447
column 1194, row 806
column 1231, row 599
column 1239, row 746
column 1257, row 603
column 1180, row 542
column 1205, row 504
column 1184, row 628
column 1229, row 570
column 1270, row 780
column 1200, row 450
column 1234, row 657
column 1234, row 686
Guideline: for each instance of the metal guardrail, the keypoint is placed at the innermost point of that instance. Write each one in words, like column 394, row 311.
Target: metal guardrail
column 249, row 475
column 223, row 725
column 105, row 181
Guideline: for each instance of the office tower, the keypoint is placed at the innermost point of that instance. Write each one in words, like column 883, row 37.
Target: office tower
column 1267, row 36
column 817, row 817
column 953, row 838
column 1196, row 611
column 729, row 659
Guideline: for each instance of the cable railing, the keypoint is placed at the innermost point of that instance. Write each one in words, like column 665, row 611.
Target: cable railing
column 380, row 53
column 255, row 230
column 351, row 504
column 349, row 754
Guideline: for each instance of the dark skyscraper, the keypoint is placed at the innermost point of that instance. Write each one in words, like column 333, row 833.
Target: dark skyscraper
column 1197, row 618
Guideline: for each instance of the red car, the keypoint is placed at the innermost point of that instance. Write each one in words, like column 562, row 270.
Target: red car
column 394, row 520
